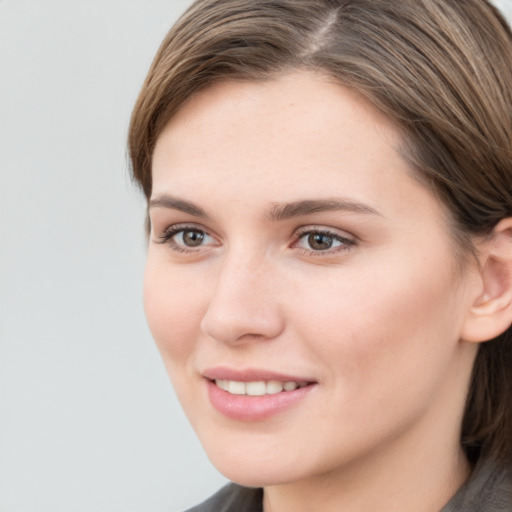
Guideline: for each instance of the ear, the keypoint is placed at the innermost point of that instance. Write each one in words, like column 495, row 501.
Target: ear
column 491, row 312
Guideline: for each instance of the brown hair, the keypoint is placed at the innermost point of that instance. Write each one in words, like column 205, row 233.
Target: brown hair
column 441, row 69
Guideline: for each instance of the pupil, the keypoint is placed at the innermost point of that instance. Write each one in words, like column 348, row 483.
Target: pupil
column 193, row 238
column 319, row 241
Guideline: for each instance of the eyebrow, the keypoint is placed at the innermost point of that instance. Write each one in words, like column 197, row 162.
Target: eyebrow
column 278, row 211
column 284, row 211
column 174, row 203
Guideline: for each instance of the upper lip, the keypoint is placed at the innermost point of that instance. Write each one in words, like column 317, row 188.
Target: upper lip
column 250, row 375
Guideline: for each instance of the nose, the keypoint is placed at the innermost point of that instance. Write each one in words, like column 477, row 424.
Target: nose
column 244, row 304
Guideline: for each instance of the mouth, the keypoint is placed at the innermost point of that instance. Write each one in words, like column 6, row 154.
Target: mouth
column 255, row 395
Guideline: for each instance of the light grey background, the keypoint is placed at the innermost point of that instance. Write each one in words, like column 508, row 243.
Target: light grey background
column 89, row 422
column 88, row 419
column 506, row 8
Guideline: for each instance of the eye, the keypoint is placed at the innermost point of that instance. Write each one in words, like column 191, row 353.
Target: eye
column 190, row 237
column 322, row 241
column 186, row 238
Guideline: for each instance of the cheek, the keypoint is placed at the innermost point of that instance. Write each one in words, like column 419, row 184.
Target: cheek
column 173, row 311
column 382, row 330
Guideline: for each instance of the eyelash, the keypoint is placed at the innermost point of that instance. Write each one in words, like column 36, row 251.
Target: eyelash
column 167, row 237
column 346, row 243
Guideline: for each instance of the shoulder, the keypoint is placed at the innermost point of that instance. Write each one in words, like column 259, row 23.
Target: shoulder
column 232, row 498
column 489, row 489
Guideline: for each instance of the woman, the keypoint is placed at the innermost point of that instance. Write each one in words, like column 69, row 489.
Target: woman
column 329, row 274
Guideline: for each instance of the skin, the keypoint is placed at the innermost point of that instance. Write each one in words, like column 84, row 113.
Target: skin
column 377, row 321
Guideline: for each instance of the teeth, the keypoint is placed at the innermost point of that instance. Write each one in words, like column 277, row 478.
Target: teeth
column 274, row 387
column 257, row 388
column 223, row 384
column 236, row 388
column 290, row 386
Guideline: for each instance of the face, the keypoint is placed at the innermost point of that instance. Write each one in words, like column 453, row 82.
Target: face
column 301, row 285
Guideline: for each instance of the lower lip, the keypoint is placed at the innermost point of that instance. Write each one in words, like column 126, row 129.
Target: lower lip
column 254, row 408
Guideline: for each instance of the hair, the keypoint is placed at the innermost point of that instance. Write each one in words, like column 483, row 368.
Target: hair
column 440, row 69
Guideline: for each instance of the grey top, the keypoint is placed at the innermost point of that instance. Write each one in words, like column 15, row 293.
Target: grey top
column 489, row 489
column 233, row 498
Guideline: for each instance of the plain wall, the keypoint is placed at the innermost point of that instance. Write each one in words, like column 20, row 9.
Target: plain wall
column 89, row 422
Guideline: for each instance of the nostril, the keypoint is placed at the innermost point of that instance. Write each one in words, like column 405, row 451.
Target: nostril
column 241, row 323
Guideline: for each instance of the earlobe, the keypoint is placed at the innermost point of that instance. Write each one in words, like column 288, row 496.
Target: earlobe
column 491, row 311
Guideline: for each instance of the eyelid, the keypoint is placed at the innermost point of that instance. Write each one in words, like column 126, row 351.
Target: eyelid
column 346, row 240
column 167, row 235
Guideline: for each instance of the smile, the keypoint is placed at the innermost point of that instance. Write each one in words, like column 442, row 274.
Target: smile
column 258, row 388
column 255, row 398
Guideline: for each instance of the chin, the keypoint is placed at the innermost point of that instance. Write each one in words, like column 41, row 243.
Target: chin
column 259, row 475
column 252, row 469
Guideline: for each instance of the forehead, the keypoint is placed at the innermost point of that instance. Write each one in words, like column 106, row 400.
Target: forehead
column 298, row 136
column 297, row 115
column 300, row 95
